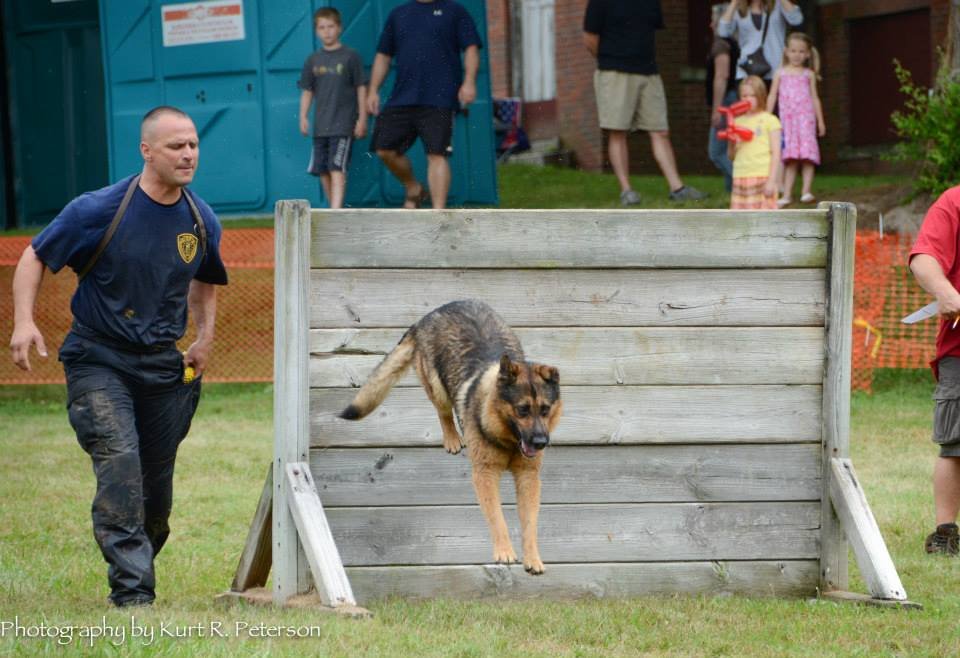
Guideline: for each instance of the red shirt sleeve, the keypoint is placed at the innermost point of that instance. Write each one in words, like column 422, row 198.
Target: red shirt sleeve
column 938, row 234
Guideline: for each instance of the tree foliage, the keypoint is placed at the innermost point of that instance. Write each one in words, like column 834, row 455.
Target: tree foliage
column 929, row 127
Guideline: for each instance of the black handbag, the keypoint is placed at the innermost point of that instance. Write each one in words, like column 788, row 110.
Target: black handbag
column 755, row 63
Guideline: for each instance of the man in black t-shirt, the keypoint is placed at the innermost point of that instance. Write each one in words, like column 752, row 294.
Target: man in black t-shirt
column 629, row 91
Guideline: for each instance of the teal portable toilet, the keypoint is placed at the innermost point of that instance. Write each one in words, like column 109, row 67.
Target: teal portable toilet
column 233, row 65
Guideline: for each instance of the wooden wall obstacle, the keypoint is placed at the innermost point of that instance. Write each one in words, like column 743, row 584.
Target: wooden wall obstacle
column 705, row 368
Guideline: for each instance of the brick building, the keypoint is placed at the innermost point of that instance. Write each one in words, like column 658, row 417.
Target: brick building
column 858, row 40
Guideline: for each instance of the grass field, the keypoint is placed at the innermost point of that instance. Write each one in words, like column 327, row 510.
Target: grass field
column 51, row 572
column 52, row 576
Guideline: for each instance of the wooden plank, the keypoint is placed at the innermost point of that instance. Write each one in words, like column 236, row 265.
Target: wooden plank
column 455, row 534
column 290, row 393
column 569, row 239
column 573, row 298
column 596, row 415
column 576, row 474
column 254, row 567
column 788, row 578
column 836, row 383
column 328, row 575
column 609, row 356
column 861, row 529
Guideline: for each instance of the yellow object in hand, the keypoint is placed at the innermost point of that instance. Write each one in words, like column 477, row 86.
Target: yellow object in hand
column 189, row 374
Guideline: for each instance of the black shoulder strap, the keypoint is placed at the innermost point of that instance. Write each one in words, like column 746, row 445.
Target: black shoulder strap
column 198, row 218
column 766, row 24
column 110, row 229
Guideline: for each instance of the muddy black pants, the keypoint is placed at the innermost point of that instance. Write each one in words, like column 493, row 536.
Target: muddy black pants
column 130, row 411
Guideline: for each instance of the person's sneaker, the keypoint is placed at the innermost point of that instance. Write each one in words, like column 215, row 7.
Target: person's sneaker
column 944, row 540
column 134, row 602
column 629, row 198
column 687, row 193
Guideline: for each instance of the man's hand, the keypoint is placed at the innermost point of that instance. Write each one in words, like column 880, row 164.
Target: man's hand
column 467, row 94
column 26, row 334
column 304, row 126
column 197, row 356
column 373, row 102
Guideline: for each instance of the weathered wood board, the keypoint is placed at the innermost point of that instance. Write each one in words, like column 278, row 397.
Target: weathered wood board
column 351, row 477
column 597, row 415
column 696, row 350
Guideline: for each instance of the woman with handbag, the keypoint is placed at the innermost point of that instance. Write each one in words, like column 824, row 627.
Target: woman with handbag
column 760, row 27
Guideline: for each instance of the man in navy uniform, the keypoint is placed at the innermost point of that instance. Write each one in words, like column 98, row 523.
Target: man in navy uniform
column 423, row 39
column 145, row 250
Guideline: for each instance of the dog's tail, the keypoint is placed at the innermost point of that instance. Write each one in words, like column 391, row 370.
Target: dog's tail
column 388, row 373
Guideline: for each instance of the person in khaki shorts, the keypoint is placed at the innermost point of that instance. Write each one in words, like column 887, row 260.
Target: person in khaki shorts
column 629, row 91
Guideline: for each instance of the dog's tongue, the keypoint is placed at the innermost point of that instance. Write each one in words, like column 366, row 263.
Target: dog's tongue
column 527, row 450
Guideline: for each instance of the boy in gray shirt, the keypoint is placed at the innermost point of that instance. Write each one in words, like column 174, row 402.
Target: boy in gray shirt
column 332, row 79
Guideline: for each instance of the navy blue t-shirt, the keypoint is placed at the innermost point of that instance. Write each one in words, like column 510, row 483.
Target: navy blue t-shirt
column 425, row 40
column 137, row 291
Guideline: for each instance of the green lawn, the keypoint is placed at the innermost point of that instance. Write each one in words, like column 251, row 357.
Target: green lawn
column 51, row 572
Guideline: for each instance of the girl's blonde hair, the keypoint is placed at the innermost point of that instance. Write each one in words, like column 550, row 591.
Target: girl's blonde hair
column 759, row 89
column 814, row 62
column 743, row 6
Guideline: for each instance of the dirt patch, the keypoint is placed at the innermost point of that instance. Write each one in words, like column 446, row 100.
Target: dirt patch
column 888, row 201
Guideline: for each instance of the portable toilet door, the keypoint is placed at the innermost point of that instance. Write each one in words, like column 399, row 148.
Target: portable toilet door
column 233, row 65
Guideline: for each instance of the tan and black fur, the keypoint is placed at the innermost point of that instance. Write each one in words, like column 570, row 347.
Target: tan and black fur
column 471, row 364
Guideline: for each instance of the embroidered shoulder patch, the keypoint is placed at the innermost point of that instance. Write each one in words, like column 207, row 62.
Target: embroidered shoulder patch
column 187, row 246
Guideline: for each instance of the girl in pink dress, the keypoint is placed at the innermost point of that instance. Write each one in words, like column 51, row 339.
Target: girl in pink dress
column 794, row 87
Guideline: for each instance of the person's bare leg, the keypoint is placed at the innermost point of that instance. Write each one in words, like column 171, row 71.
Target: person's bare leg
column 619, row 157
column 663, row 154
column 946, row 489
column 438, row 173
column 789, row 178
column 806, row 172
column 400, row 166
column 338, row 185
column 325, row 186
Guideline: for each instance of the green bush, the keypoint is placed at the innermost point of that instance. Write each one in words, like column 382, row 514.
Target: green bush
column 929, row 126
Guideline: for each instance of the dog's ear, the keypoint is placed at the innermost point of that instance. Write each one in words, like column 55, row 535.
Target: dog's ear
column 508, row 371
column 549, row 374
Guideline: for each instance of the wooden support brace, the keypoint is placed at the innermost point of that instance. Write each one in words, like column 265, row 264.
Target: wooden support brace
column 329, row 575
column 254, row 566
column 862, row 531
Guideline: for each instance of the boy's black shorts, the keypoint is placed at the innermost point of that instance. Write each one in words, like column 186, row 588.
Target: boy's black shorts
column 397, row 128
column 329, row 154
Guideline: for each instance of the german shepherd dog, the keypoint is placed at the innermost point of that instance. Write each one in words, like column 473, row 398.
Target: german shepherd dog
column 471, row 364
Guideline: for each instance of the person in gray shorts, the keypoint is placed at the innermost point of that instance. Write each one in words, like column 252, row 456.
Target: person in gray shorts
column 332, row 80
column 935, row 262
column 629, row 90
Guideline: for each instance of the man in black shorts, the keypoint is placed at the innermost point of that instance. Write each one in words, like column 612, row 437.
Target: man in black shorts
column 425, row 39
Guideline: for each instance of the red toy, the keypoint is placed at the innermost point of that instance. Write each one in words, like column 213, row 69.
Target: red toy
column 733, row 130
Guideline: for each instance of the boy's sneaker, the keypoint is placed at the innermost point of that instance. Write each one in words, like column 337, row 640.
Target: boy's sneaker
column 944, row 540
column 687, row 193
column 629, row 198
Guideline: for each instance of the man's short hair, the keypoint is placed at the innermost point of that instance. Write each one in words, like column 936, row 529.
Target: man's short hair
column 157, row 112
column 329, row 13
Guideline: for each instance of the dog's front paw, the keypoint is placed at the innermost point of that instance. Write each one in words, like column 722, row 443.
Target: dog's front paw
column 534, row 566
column 504, row 555
column 452, row 444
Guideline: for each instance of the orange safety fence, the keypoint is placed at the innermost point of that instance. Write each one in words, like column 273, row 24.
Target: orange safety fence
column 884, row 292
column 243, row 344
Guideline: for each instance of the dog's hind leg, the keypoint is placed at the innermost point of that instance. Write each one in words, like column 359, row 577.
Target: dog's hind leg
column 526, row 476
column 452, row 442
